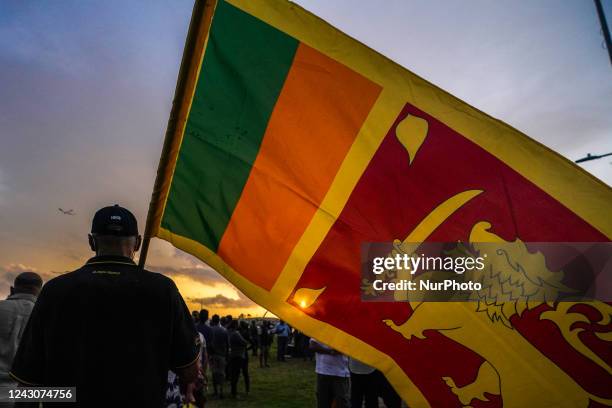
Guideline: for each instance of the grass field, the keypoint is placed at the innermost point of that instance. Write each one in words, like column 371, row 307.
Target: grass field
column 290, row 385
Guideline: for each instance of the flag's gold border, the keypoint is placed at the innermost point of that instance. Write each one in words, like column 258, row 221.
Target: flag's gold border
column 326, row 333
column 177, row 125
column 578, row 190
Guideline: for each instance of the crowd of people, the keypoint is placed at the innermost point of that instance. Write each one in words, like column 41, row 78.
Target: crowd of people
column 226, row 346
column 342, row 382
column 123, row 336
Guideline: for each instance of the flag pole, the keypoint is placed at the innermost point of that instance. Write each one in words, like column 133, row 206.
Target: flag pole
column 604, row 27
column 201, row 18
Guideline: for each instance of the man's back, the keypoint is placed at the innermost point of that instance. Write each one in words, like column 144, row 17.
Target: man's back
column 206, row 331
column 109, row 329
column 14, row 314
column 219, row 341
column 238, row 344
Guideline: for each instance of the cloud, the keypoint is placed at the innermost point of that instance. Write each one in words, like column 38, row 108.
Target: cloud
column 220, row 301
column 205, row 275
column 185, row 256
column 199, row 273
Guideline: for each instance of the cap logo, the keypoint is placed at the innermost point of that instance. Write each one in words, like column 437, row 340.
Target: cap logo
column 114, row 221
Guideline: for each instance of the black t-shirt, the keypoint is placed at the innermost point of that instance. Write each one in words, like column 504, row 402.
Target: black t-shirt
column 110, row 329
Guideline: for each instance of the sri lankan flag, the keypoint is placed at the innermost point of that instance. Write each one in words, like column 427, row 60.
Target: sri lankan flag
column 290, row 144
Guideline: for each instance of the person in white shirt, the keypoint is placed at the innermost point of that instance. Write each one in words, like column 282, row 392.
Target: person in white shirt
column 14, row 314
column 332, row 376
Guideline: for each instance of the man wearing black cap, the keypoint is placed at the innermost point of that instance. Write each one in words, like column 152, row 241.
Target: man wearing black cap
column 109, row 328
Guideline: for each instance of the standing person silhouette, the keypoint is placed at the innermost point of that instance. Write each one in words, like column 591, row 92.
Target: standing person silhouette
column 219, row 349
column 332, row 376
column 265, row 341
column 282, row 337
column 14, row 314
column 109, row 328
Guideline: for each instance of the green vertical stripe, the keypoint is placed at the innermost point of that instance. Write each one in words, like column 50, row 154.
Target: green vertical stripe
column 244, row 69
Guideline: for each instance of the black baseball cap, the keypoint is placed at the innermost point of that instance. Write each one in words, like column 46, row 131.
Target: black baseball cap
column 114, row 220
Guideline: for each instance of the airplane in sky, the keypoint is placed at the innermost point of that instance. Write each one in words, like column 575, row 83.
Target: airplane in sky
column 67, row 212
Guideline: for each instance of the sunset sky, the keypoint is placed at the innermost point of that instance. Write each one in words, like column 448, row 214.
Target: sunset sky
column 86, row 89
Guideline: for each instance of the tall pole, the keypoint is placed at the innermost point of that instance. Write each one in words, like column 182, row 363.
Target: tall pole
column 604, row 27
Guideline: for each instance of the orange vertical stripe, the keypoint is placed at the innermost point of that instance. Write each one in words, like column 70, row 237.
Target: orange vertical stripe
column 314, row 123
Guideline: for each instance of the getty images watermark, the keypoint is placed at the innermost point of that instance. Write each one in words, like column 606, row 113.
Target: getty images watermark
column 500, row 271
column 416, row 263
